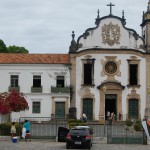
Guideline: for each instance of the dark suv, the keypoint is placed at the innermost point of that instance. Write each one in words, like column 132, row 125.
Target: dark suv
column 79, row 136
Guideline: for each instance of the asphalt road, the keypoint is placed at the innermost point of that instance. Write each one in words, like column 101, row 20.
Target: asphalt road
column 51, row 145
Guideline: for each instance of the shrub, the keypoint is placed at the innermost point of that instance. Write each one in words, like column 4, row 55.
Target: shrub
column 74, row 122
column 138, row 121
column 129, row 123
column 138, row 127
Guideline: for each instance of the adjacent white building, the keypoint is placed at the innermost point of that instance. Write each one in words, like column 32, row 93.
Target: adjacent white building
column 44, row 79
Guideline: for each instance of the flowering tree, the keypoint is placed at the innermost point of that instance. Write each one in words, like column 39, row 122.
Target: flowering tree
column 13, row 101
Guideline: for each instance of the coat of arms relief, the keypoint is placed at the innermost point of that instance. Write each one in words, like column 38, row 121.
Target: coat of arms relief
column 111, row 34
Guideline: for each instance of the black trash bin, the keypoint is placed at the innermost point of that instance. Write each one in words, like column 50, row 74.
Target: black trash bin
column 62, row 133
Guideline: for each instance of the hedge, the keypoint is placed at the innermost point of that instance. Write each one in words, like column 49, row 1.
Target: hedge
column 6, row 127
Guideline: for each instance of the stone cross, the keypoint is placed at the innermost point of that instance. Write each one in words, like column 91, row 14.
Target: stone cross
column 110, row 7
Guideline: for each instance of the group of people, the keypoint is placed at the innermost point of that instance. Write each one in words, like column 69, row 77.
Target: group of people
column 110, row 117
column 25, row 130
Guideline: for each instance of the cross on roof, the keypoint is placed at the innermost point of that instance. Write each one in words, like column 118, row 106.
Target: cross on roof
column 110, row 7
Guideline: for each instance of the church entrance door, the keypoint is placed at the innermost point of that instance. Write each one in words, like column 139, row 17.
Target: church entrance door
column 110, row 104
column 88, row 108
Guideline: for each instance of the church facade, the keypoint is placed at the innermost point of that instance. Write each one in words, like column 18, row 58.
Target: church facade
column 110, row 69
column 106, row 69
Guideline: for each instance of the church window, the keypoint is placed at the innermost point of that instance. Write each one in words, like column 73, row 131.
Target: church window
column 87, row 73
column 110, row 67
column 134, row 72
column 133, row 79
column 60, row 81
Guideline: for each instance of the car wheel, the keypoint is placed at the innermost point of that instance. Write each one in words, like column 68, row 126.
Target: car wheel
column 89, row 146
column 67, row 146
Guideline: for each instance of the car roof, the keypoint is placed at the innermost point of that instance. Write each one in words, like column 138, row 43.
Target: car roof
column 80, row 127
column 85, row 127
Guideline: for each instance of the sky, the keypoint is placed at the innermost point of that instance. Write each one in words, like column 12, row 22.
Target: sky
column 45, row 26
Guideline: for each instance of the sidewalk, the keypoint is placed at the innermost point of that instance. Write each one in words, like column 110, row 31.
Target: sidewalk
column 51, row 144
column 46, row 145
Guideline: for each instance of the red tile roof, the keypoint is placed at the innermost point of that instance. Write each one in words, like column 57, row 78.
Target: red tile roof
column 12, row 58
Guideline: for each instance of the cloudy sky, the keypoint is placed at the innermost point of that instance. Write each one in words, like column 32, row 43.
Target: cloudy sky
column 45, row 26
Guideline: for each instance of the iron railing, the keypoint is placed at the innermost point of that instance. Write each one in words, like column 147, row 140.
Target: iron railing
column 10, row 88
column 36, row 89
column 60, row 89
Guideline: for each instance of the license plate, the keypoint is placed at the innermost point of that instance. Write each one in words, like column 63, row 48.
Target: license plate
column 77, row 142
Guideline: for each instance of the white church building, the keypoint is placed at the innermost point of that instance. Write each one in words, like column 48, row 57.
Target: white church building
column 106, row 69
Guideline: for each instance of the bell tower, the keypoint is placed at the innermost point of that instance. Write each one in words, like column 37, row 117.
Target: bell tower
column 146, row 28
column 146, row 35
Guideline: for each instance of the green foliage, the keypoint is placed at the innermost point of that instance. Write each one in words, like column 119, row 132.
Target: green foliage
column 17, row 49
column 129, row 123
column 3, row 48
column 11, row 49
column 138, row 121
column 6, row 127
column 74, row 122
column 138, row 125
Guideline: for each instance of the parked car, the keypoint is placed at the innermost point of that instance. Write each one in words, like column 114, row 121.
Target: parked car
column 80, row 136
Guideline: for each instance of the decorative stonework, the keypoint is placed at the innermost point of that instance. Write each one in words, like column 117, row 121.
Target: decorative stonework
column 133, row 95
column 133, row 57
column 142, row 47
column 88, row 57
column 85, row 92
column 111, row 67
column 111, row 34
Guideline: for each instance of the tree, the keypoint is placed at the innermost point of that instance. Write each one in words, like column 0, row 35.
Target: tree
column 4, row 105
column 12, row 102
column 3, row 48
column 17, row 49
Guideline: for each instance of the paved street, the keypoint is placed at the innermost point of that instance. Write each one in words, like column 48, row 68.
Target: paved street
column 51, row 145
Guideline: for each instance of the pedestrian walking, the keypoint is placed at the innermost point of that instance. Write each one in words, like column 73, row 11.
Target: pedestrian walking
column 26, row 126
column 120, row 116
column 84, row 118
column 108, row 114
column 13, row 130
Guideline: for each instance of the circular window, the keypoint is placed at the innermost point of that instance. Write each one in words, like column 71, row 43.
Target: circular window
column 110, row 67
